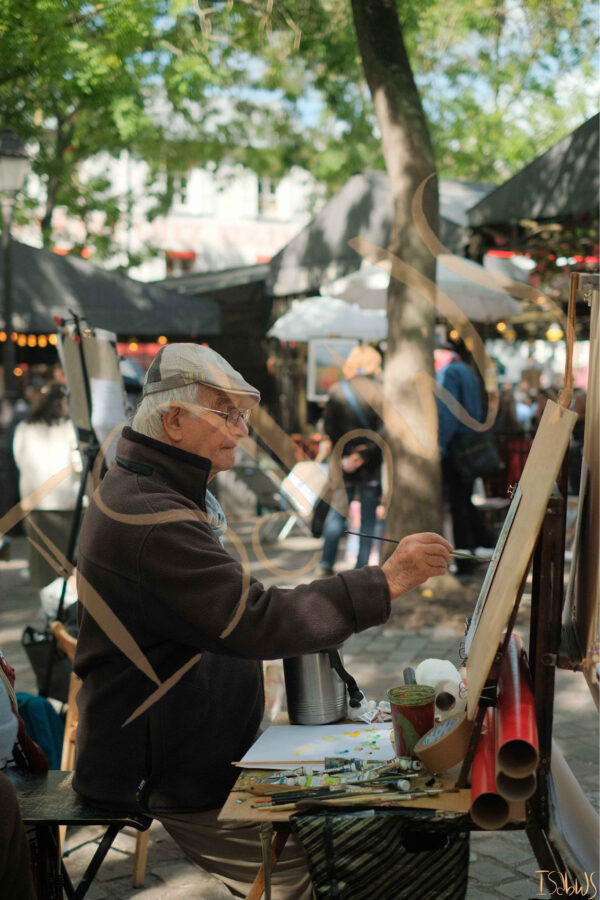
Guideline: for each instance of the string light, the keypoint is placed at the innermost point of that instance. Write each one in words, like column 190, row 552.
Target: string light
column 133, row 346
column 52, row 339
column 501, row 327
column 454, row 335
column 22, row 340
column 18, row 371
column 161, row 339
column 32, row 340
column 554, row 333
column 42, row 341
column 3, row 336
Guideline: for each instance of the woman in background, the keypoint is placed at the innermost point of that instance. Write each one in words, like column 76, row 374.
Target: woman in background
column 347, row 409
column 43, row 444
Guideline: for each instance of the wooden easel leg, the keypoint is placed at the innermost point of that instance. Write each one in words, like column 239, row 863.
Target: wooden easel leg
column 547, row 593
column 140, row 858
column 282, row 832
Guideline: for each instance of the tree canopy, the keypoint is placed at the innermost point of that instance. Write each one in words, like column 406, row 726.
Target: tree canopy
column 275, row 85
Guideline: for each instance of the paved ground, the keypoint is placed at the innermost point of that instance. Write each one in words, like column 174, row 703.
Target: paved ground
column 502, row 863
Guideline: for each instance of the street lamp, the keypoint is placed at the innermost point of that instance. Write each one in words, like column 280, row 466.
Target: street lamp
column 14, row 165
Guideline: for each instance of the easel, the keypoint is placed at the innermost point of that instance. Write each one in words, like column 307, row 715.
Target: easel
column 547, row 650
column 544, row 644
column 87, row 439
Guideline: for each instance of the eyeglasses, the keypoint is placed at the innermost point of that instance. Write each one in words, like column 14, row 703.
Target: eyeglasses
column 233, row 417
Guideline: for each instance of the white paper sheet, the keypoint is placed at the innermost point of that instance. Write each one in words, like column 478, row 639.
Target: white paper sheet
column 288, row 746
column 108, row 411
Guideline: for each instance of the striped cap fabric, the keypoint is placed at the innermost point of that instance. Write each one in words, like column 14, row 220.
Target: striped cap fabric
column 176, row 365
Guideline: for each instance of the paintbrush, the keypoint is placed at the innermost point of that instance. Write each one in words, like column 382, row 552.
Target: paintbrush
column 318, row 793
column 376, row 537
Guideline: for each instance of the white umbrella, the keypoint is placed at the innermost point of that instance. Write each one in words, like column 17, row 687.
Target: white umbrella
column 329, row 317
column 369, row 285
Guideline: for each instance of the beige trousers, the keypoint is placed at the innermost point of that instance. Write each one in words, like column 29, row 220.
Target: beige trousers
column 232, row 852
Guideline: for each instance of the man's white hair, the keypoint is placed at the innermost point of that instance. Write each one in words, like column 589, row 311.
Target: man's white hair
column 148, row 416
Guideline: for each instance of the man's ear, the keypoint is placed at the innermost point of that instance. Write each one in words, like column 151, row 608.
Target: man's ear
column 171, row 420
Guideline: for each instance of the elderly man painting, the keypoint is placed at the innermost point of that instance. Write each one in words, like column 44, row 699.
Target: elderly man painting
column 150, row 548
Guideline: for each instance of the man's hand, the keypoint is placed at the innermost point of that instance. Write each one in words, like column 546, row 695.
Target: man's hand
column 415, row 559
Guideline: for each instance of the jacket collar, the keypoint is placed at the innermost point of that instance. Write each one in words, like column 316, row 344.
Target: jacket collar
column 184, row 471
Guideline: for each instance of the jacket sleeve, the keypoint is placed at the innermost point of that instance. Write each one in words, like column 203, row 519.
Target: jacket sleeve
column 196, row 593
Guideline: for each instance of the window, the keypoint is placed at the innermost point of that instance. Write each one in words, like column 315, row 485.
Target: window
column 267, row 197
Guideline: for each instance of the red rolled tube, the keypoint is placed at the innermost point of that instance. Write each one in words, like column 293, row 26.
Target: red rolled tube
column 488, row 809
column 517, row 747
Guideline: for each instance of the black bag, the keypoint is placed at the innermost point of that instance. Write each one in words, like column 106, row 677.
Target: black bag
column 384, row 854
column 318, row 518
column 474, row 455
column 38, row 646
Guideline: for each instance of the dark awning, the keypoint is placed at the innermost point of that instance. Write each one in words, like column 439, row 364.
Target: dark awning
column 47, row 285
column 199, row 283
column 245, row 308
column 320, row 252
column 561, row 182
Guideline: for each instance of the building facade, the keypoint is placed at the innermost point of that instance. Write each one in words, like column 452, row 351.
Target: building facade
column 218, row 218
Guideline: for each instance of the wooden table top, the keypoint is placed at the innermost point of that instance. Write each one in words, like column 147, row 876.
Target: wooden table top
column 238, row 805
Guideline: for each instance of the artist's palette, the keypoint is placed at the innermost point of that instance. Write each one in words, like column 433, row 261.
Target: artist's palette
column 290, row 745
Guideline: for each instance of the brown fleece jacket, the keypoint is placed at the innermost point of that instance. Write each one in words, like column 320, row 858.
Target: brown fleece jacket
column 147, row 551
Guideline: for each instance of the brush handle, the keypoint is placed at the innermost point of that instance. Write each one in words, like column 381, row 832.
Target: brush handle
column 375, row 537
column 409, row 676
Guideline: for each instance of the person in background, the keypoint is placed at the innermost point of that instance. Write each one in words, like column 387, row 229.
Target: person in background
column 539, row 405
column 506, row 421
column 510, row 439
column 525, row 407
column 460, row 380
column 30, row 393
column 58, row 374
column 346, row 410
column 16, row 880
column 151, row 546
column 44, row 443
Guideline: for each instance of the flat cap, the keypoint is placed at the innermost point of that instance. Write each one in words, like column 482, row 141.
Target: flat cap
column 176, row 365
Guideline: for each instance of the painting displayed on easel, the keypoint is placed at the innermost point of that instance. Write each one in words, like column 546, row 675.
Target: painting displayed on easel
column 518, row 542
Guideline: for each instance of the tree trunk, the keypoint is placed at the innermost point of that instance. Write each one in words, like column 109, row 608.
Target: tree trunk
column 62, row 138
column 411, row 417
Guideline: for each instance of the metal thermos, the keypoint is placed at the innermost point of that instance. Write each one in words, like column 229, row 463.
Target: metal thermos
column 315, row 692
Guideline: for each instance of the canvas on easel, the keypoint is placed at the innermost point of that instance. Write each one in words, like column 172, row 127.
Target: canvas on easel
column 97, row 404
column 97, row 398
column 541, row 470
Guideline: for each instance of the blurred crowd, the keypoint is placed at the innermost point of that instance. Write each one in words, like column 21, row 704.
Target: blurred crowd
column 520, row 410
column 41, row 439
